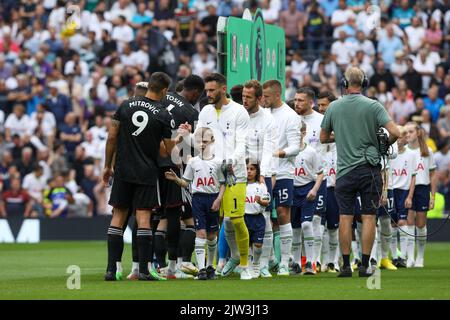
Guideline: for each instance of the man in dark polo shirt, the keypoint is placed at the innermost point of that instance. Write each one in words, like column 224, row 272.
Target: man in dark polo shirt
column 355, row 120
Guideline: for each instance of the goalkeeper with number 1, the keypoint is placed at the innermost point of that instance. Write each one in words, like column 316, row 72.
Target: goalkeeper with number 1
column 229, row 122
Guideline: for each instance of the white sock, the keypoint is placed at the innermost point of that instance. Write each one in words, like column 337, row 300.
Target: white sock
column 378, row 256
column 393, row 243
column 119, row 266
column 200, row 252
column 212, row 246
column 179, row 262
column 285, row 243
column 297, row 245
column 135, row 266
column 325, row 248
column 403, row 241
column 256, row 255
column 358, row 236
column 231, row 238
column 355, row 250
column 317, row 234
column 373, row 253
column 172, row 265
column 267, row 242
column 250, row 255
column 411, row 242
column 421, row 242
column 333, row 235
column 308, row 238
column 385, row 236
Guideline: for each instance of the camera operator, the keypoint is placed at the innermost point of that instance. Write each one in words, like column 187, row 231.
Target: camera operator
column 355, row 121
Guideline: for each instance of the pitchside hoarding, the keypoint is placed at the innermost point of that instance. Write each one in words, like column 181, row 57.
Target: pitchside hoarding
column 250, row 49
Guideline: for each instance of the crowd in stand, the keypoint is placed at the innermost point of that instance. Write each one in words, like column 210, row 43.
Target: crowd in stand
column 65, row 67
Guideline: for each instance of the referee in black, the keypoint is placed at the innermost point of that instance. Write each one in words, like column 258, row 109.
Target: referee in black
column 137, row 128
column 355, row 120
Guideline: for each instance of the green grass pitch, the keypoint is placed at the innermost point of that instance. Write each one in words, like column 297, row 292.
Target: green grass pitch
column 38, row 271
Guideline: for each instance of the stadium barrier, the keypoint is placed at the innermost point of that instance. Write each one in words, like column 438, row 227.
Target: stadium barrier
column 18, row 230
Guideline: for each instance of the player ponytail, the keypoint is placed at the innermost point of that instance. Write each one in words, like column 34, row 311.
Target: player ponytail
column 421, row 138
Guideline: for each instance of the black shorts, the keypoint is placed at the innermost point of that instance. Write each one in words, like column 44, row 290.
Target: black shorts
column 139, row 196
column 365, row 180
column 170, row 191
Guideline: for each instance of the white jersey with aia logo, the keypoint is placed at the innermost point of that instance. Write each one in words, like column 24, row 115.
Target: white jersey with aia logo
column 424, row 166
column 403, row 168
column 308, row 164
column 331, row 161
column 205, row 175
column 254, row 190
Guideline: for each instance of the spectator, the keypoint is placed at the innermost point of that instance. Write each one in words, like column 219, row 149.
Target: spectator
column 388, row 45
column 412, row 78
column 291, row 85
column 402, row 108
column 405, row 14
column 143, row 15
column 208, row 24
column 203, row 63
column 70, row 135
column 122, row 33
column 384, row 96
column 5, row 164
column 444, row 88
column 17, row 123
column 57, row 198
column 426, row 67
column 15, row 202
column 417, row 116
column 299, row 66
column 315, row 27
column 430, row 128
column 416, row 35
column 398, row 67
column 341, row 51
column 58, row 161
column 365, row 45
column 58, row 103
column 433, row 103
column 292, row 21
column 89, row 182
column 442, row 157
column 443, row 123
column 381, row 74
column 35, row 183
column 26, row 163
column 185, row 26
column 80, row 206
column 434, row 36
column 340, row 16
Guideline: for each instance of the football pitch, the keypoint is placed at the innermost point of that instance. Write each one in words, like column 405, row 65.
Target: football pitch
column 39, row 271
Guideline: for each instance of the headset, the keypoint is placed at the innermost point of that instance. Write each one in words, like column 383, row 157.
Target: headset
column 364, row 83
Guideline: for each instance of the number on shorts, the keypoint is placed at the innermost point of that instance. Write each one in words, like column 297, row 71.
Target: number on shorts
column 390, row 203
column 283, row 194
column 140, row 120
column 320, row 201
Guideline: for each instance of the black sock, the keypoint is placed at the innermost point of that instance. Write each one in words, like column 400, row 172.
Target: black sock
column 173, row 231
column 115, row 247
column 134, row 245
column 144, row 244
column 346, row 258
column 160, row 248
column 365, row 260
column 180, row 241
column 188, row 243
